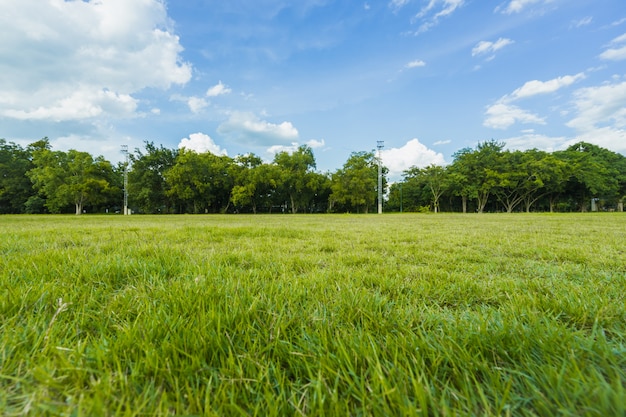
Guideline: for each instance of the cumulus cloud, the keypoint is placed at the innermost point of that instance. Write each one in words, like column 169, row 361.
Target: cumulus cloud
column 617, row 51
column 75, row 60
column 315, row 144
column 248, row 128
column 535, row 87
column 415, row 64
column 196, row 104
column 413, row 153
column 488, row 47
column 607, row 137
column 502, row 116
column 531, row 140
column 273, row 150
column 77, row 105
column 201, row 143
column 218, row 90
column 600, row 106
column 430, row 14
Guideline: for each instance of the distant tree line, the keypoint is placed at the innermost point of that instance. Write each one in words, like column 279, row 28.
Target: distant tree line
column 488, row 178
column 38, row 179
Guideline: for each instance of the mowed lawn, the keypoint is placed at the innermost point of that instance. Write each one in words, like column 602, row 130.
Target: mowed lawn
column 311, row 315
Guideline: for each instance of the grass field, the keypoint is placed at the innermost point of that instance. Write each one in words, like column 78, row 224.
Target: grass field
column 408, row 315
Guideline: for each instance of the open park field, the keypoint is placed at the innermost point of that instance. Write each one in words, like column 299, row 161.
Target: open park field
column 311, row 315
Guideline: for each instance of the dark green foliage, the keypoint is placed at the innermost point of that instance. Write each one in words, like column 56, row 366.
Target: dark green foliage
column 38, row 179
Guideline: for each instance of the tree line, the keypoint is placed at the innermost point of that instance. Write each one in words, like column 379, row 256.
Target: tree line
column 38, row 179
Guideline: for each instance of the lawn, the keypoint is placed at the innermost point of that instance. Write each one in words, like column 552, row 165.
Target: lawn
column 311, row 315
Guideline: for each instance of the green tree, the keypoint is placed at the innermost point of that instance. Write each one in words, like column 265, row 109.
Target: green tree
column 548, row 175
column 433, row 179
column 473, row 172
column 296, row 176
column 72, row 177
column 200, row 181
column 354, row 185
column 255, row 183
column 15, row 187
column 459, row 174
column 595, row 173
column 146, row 179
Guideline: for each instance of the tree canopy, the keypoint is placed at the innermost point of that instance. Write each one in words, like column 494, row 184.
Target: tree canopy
column 38, row 179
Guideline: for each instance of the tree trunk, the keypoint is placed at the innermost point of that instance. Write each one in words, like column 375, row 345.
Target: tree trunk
column 293, row 206
column 79, row 208
column 464, row 200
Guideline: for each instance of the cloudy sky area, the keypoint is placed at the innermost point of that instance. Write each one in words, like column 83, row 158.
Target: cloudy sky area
column 427, row 77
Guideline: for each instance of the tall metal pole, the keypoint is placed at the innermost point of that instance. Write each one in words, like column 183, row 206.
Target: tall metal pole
column 125, row 152
column 380, row 146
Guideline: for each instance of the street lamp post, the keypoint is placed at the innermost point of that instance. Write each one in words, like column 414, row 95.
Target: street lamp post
column 380, row 146
column 125, row 152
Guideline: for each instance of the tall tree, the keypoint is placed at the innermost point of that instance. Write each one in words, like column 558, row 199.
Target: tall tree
column 354, row 185
column 475, row 168
column 69, row 178
column 254, row 182
column 15, row 187
column 594, row 171
column 432, row 178
column 146, row 179
column 296, row 170
column 201, row 181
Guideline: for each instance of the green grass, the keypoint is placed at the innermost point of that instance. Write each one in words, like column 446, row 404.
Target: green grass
column 412, row 315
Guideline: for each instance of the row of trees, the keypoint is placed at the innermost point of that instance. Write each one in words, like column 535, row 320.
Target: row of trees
column 489, row 178
column 38, row 179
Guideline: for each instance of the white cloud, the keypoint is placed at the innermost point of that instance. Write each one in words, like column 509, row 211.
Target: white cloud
column 201, row 143
column 196, row 104
column 434, row 10
column 78, row 105
column 442, row 142
column 606, row 137
column 530, row 140
column 218, row 90
column 248, row 128
column 582, row 22
column 600, row 106
column 618, row 52
column 487, row 47
column 315, row 144
column 397, row 4
column 502, row 116
column 413, row 153
column 273, row 150
column 614, row 54
column 516, row 6
column 619, row 22
column 415, row 64
column 535, row 87
column 73, row 60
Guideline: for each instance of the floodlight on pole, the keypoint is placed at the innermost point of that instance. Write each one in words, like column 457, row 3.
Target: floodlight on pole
column 125, row 152
column 380, row 145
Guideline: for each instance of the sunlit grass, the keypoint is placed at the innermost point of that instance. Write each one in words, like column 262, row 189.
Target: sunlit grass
column 313, row 315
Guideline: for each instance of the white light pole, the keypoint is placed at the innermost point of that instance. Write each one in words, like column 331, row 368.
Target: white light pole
column 380, row 146
column 125, row 152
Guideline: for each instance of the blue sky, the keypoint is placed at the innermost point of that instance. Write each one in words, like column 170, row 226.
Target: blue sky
column 427, row 77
